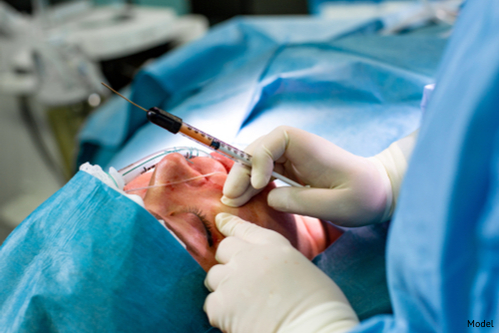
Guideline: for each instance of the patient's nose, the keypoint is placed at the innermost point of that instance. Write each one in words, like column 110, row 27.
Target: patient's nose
column 174, row 168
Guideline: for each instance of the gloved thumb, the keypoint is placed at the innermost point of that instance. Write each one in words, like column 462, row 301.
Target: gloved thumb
column 231, row 225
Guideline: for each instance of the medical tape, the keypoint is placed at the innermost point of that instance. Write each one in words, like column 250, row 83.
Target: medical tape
column 174, row 183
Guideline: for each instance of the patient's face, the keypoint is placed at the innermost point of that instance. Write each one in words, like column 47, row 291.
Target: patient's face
column 189, row 208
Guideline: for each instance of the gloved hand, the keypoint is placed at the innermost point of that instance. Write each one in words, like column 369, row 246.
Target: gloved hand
column 346, row 189
column 265, row 285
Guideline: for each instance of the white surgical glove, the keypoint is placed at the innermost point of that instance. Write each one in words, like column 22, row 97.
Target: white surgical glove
column 266, row 285
column 346, row 189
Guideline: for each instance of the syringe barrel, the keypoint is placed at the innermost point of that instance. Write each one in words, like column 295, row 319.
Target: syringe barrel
column 218, row 146
column 164, row 119
column 175, row 125
column 235, row 154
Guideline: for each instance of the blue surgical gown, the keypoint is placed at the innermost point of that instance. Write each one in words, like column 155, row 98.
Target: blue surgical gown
column 442, row 256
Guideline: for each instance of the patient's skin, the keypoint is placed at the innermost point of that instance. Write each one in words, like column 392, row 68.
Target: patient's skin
column 189, row 208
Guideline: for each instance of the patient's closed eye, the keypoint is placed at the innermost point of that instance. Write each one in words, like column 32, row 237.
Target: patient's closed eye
column 206, row 225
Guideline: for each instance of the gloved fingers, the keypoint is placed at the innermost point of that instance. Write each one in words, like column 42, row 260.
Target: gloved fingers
column 213, row 307
column 237, row 188
column 242, row 199
column 215, row 276
column 237, row 181
column 228, row 248
column 335, row 205
column 230, row 225
column 265, row 151
column 299, row 155
column 243, row 183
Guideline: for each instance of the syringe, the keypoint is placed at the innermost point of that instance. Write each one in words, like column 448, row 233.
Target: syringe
column 175, row 125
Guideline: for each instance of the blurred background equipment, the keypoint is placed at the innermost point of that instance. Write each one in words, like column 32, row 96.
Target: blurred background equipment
column 53, row 56
column 220, row 10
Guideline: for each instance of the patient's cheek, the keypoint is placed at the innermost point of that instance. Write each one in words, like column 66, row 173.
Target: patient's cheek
column 226, row 162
